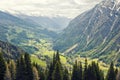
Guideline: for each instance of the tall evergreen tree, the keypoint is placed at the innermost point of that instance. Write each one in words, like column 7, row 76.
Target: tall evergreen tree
column 75, row 72
column 21, row 69
column 55, row 69
column 28, row 68
column 98, row 72
column 12, row 67
column 91, row 73
column 66, row 74
column 2, row 67
column 50, row 71
column 80, row 71
column 57, row 73
column 85, row 70
column 111, row 73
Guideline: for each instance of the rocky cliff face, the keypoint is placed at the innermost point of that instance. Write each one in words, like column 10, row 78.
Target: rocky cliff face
column 94, row 33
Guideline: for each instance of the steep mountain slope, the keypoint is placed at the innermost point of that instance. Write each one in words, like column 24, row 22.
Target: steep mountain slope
column 56, row 24
column 10, row 51
column 22, row 33
column 94, row 33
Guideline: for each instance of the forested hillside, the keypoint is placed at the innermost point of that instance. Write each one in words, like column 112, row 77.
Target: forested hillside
column 23, row 69
column 10, row 51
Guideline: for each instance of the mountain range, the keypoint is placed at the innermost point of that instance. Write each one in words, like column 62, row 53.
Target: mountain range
column 56, row 24
column 22, row 32
column 94, row 33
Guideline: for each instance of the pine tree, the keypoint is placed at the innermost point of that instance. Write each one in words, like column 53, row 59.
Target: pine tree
column 98, row 72
column 116, row 71
column 66, row 74
column 55, row 66
column 111, row 73
column 75, row 72
column 50, row 71
column 91, row 73
column 2, row 67
column 21, row 69
column 85, row 70
column 51, row 68
column 80, row 71
column 12, row 67
column 28, row 68
column 7, row 73
column 57, row 73
column 42, row 75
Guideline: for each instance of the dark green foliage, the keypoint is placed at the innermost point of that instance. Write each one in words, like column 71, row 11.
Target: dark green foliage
column 77, row 72
column 29, row 71
column 50, row 71
column 80, row 71
column 93, row 72
column 2, row 67
column 20, row 72
column 12, row 68
column 85, row 70
column 66, row 74
column 57, row 73
column 111, row 75
column 55, row 69
column 10, row 51
column 24, row 68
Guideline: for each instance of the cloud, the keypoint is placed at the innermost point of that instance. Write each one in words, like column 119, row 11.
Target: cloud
column 67, row 8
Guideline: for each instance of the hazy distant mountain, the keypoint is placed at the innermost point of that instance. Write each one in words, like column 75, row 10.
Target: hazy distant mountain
column 56, row 24
column 22, row 32
column 94, row 33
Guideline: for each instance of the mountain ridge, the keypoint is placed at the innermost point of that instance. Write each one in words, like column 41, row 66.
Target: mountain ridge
column 94, row 33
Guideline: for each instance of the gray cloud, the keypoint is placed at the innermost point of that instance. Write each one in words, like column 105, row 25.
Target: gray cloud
column 67, row 8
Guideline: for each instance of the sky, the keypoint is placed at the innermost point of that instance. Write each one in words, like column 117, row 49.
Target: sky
column 51, row 8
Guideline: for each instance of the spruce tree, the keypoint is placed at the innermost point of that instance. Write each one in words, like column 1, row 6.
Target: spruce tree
column 75, row 72
column 80, row 71
column 12, row 67
column 2, row 67
column 57, row 73
column 91, row 75
column 55, row 66
column 50, row 71
column 111, row 73
column 66, row 74
column 28, row 68
column 85, row 70
column 21, row 69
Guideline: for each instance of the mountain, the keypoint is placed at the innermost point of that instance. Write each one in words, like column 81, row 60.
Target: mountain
column 94, row 33
column 23, row 33
column 56, row 24
column 10, row 51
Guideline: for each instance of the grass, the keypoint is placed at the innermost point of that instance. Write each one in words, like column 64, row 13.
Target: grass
column 34, row 59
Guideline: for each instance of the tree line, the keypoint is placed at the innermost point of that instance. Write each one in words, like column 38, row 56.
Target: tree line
column 23, row 69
